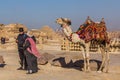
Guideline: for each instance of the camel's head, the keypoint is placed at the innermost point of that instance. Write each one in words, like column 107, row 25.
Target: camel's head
column 65, row 24
column 63, row 21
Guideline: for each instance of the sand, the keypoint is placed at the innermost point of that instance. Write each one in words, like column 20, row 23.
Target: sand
column 48, row 72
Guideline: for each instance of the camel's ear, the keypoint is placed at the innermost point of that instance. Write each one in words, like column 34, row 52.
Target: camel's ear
column 69, row 22
column 62, row 19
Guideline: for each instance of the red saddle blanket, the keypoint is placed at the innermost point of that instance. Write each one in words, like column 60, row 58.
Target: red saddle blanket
column 93, row 31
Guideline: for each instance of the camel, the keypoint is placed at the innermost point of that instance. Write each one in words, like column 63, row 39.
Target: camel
column 75, row 37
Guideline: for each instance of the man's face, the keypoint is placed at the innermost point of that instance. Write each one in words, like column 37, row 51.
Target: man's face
column 21, row 32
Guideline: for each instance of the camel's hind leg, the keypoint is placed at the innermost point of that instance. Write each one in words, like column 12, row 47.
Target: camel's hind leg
column 107, row 59
column 103, row 58
column 107, row 62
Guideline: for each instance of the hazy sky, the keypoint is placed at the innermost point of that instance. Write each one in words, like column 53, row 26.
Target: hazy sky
column 38, row 13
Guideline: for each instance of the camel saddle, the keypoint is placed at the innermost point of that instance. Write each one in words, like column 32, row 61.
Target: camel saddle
column 92, row 31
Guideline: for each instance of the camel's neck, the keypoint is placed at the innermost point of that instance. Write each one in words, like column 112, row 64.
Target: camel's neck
column 70, row 35
column 67, row 30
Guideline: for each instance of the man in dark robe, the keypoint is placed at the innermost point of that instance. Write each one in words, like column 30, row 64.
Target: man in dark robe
column 20, row 41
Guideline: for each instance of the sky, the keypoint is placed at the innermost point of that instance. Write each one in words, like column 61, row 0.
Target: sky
column 38, row 13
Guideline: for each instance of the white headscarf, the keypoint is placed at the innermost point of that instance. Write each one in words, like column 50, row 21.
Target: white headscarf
column 29, row 34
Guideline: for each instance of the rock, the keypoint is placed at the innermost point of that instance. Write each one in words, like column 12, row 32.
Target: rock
column 2, row 60
column 94, row 65
column 42, row 60
column 65, row 60
column 79, row 63
column 71, row 62
column 11, row 30
column 60, row 62
column 48, row 56
column 45, row 58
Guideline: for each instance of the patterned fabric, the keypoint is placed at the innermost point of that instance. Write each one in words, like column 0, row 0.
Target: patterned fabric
column 93, row 31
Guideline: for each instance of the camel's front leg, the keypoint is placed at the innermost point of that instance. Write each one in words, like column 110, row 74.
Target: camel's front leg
column 85, row 53
column 88, row 56
column 85, row 64
column 84, row 57
column 88, row 62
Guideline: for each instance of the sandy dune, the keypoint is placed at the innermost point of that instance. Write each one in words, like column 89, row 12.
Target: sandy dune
column 48, row 72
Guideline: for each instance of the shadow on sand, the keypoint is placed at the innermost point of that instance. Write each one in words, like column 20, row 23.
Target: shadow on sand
column 78, row 64
column 2, row 65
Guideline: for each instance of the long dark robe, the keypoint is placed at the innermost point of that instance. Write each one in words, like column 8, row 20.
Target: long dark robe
column 31, row 59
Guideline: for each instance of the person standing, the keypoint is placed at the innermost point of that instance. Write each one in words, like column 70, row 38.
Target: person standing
column 20, row 41
column 2, row 40
column 31, row 54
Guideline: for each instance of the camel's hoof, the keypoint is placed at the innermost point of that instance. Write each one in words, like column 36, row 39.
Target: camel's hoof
column 106, row 72
column 84, row 70
column 89, row 70
column 99, row 71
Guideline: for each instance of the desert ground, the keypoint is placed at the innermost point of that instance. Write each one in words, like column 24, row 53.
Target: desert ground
column 49, row 72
